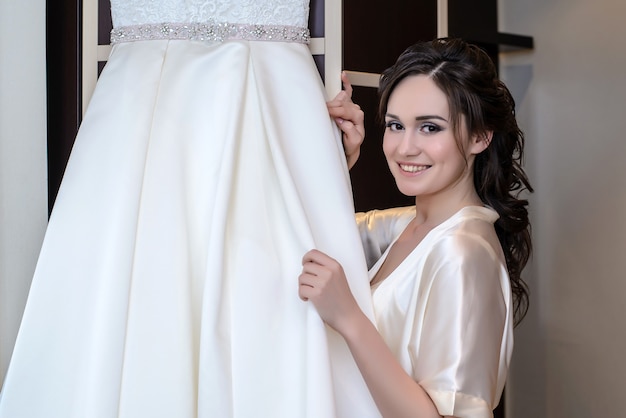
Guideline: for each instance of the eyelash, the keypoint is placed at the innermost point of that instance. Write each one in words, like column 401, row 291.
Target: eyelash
column 431, row 128
column 393, row 126
column 426, row 127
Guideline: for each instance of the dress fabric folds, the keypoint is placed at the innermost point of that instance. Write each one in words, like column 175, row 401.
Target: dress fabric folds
column 167, row 282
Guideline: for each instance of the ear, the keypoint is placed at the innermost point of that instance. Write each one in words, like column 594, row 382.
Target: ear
column 480, row 142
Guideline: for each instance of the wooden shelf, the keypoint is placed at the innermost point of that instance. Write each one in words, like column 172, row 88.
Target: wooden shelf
column 512, row 42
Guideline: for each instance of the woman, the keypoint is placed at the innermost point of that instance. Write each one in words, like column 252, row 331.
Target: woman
column 447, row 287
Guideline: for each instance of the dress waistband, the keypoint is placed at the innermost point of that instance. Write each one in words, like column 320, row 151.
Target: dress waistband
column 218, row 32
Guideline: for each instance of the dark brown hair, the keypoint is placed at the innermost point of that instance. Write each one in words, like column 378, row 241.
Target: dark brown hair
column 468, row 77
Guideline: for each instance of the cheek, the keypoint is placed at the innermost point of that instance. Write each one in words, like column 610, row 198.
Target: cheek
column 447, row 151
column 388, row 146
column 388, row 151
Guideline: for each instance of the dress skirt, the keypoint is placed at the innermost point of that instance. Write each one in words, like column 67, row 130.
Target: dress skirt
column 167, row 284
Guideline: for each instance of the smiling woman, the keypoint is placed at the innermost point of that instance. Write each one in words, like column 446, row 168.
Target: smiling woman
column 446, row 284
column 421, row 146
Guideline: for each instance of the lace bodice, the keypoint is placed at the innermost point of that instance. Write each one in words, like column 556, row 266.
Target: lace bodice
column 262, row 12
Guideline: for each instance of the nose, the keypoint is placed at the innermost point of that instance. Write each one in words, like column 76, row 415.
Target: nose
column 409, row 144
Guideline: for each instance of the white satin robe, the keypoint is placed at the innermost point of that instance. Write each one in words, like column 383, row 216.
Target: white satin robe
column 446, row 310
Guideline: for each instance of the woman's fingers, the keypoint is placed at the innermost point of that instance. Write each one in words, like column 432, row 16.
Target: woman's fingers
column 347, row 86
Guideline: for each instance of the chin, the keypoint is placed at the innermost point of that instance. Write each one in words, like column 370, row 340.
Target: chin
column 407, row 191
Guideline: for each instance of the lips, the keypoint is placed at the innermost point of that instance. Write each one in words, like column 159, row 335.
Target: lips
column 413, row 168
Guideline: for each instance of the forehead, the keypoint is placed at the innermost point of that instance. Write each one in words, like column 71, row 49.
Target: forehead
column 418, row 95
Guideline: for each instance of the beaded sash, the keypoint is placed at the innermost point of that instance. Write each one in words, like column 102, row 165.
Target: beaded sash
column 218, row 32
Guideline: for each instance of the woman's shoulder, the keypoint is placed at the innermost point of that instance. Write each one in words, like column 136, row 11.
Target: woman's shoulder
column 467, row 238
column 471, row 227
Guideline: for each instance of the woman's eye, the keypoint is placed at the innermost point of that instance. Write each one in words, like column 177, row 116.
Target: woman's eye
column 394, row 126
column 430, row 128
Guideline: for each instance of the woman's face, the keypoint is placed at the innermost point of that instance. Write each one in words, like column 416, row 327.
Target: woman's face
column 419, row 143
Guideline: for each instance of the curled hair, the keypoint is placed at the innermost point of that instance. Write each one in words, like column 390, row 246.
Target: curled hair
column 468, row 78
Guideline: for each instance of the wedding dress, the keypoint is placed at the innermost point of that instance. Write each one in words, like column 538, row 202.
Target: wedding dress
column 167, row 286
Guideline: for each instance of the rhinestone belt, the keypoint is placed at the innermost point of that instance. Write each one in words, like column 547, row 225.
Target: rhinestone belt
column 210, row 32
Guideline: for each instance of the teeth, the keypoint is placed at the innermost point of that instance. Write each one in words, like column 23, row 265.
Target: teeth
column 413, row 168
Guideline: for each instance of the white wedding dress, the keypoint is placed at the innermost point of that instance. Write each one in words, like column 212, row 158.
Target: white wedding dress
column 205, row 167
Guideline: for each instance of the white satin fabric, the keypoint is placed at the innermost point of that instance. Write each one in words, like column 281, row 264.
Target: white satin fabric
column 445, row 312
column 167, row 283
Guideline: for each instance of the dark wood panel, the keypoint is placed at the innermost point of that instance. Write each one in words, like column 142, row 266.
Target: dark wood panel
column 373, row 185
column 316, row 18
column 105, row 24
column 63, row 74
column 375, row 32
column 475, row 21
column 374, row 36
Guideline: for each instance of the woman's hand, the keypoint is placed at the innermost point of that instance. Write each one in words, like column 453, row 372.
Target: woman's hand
column 323, row 282
column 396, row 394
column 350, row 119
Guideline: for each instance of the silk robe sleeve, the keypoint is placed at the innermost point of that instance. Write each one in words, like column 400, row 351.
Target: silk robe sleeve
column 378, row 229
column 461, row 351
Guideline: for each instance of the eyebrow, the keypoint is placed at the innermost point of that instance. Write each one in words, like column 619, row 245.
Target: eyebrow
column 419, row 118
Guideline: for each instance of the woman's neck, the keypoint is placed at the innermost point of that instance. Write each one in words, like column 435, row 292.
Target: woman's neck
column 434, row 209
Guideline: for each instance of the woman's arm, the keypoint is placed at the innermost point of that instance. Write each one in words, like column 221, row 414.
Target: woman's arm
column 396, row 394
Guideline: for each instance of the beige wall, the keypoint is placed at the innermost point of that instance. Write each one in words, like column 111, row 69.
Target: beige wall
column 571, row 92
column 23, row 195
